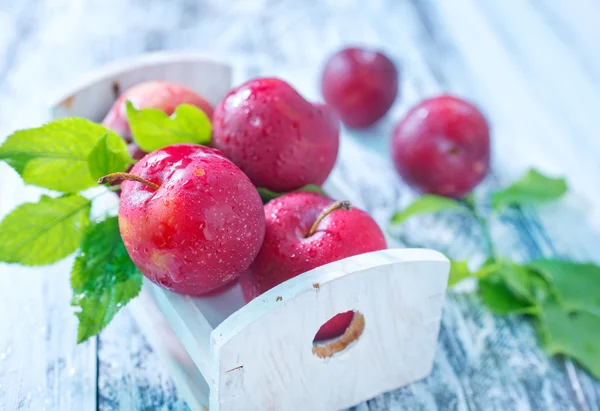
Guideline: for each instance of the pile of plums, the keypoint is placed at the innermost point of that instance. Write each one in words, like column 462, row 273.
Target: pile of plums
column 192, row 219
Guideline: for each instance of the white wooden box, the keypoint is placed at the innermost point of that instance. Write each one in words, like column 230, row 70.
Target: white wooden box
column 229, row 356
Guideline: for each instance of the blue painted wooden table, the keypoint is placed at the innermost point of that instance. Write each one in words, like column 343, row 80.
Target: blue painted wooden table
column 533, row 66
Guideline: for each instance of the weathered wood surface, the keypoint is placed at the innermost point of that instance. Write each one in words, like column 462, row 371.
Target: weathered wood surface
column 532, row 65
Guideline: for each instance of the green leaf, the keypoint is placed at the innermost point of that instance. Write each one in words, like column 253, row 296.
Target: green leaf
column 268, row 195
column 531, row 189
column 312, row 188
column 44, row 232
column 103, row 279
column 574, row 334
column 426, row 204
column 512, row 288
column 500, row 299
column 109, row 155
column 470, row 200
column 489, row 267
column 153, row 129
column 519, row 280
column 459, row 270
column 55, row 155
column 576, row 285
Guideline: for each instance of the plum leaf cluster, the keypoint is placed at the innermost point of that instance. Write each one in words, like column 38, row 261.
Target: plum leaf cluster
column 561, row 297
column 67, row 156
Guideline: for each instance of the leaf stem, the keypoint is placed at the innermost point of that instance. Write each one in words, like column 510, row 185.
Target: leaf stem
column 110, row 178
column 487, row 270
column 485, row 231
column 338, row 205
column 487, row 236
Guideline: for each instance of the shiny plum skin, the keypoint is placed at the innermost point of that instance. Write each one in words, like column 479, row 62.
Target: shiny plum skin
column 442, row 146
column 360, row 84
column 280, row 140
column 162, row 95
column 286, row 253
column 200, row 229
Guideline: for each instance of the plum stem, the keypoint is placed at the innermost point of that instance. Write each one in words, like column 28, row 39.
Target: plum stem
column 110, row 178
column 338, row 205
column 483, row 224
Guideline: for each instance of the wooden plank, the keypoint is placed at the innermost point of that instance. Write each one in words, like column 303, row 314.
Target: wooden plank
column 561, row 223
column 40, row 364
column 130, row 375
column 190, row 383
column 577, row 29
column 41, row 367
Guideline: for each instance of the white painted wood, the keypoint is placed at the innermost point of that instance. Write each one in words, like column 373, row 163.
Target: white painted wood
column 92, row 96
column 263, row 351
column 400, row 293
column 396, row 349
column 40, row 365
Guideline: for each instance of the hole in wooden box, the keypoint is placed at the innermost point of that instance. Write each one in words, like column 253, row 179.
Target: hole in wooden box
column 338, row 333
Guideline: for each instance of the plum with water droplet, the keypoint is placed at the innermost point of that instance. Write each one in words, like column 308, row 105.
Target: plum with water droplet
column 279, row 139
column 442, row 146
column 360, row 84
column 190, row 219
column 306, row 230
